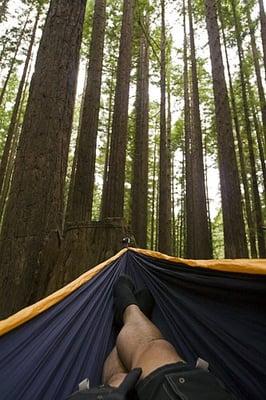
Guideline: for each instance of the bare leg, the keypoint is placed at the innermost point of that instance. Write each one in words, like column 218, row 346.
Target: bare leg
column 140, row 344
column 114, row 372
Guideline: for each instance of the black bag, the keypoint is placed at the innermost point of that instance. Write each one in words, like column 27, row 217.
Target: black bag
column 196, row 384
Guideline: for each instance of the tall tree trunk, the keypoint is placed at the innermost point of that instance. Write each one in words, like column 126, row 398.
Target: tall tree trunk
column 74, row 163
column 140, row 157
column 259, row 138
column 164, row 234
column 201, row 235
column 182, row 225
column 173, row 204
column 82, row 198
column 248, row 129
column 113, row 204
column 13, row 150
column 233, row 222
column 257, row 69
column 11, row 129
column 207, row 194
column 109, row 132
column 153, row 208
column 34, row 212
column 243, row 169
column 263, row 30
column 13, row 61
column 189, row 187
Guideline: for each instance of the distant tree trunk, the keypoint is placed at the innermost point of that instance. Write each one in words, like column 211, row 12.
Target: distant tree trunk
column 140, row 158
column 74, row 163
column 164, row 238
column 243, row 169
column 233, row 222
column 173, row 204
column 12, row 125
column 259, row 139
column 14, row 145
column 170, row 153
column 201, row 235
column 257, row 69
column 109, row 131
column 256, row 196
column 13, row 61
column 263, row 31
column 182, row 227
column 189, row 187
column 153, row 208
column 32, row 223
column 113, row 204
column 207, row 195
column 157, row 217
column 82, row 198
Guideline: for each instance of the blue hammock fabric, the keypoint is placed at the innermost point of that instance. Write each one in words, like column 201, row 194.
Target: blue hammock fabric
column 218, row 316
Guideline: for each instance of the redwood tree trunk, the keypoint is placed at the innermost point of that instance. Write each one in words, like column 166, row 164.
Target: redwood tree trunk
column 259, row 139
column 201, row 236
column 35, row 207
column 82, row 197
column 140, row 166
column 233, row 222
column 255, row 190
column 188, row 166
column 243, row 169
column 153, row 197
column 164, row 232
column 109, row 129
column 113, row 202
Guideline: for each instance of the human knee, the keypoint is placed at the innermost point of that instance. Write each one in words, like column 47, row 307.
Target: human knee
column 157, row 345
column 115, row 380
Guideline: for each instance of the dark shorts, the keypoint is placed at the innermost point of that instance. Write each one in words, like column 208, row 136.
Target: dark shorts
column 181, row 382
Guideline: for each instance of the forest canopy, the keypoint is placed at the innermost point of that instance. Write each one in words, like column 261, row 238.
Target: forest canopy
column 138, row 118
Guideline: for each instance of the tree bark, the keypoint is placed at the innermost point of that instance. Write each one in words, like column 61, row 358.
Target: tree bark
column 140, row 158
column 81, row 209
column 32, row 222
column 201, row 236
column 113, row 204
column 233, row 222
column 153, row 207
column 259, row 139
column 109, row 131
column 164, row 234
column 74, row 164
column 189, row 248
column 248, row 129
column 243, row 169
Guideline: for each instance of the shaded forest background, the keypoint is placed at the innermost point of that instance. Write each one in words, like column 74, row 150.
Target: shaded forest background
column 138, row 118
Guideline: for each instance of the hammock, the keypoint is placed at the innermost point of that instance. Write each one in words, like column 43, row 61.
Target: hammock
column 215, row 310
